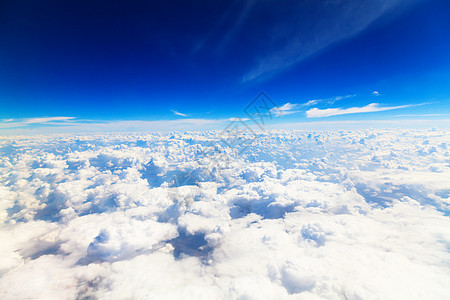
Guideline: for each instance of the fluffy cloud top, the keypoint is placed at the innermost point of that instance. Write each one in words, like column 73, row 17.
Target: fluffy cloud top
column 299, row 215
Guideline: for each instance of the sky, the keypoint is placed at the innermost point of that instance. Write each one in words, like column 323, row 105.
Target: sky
column 176, row 64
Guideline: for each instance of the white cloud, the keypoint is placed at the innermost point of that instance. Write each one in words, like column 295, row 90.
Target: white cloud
column 328, row 112
column 375, row 93
column 300, row 214
column 285, row 109
column 238, row 119
column 311, row 102
column 46, row 120
column 11, row 123
column 411, row 123
column 78, row 126
column 331, row 100
column 178, row 113
column 347, row 20
column 421, row 115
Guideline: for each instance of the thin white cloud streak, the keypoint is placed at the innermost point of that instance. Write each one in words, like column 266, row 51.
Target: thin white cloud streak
column 285, row 109
column 349, row 19
column 178, row 113
column 292, row 108
column 238, row 119
column 213, row 32
column 49, row 119
column 310, row 103
column 421, row 115
column 12, row 123
column 79, row 126
column 329, row 100
column 237, row 24
column 359, row 124
column 373, row 107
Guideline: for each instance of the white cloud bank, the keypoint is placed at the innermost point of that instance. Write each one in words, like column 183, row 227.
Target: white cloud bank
column 328, row 112
column 299, row 215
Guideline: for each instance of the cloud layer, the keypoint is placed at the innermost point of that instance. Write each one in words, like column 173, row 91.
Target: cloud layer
column 298, row 215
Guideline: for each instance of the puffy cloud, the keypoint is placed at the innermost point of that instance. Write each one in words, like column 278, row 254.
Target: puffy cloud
column 341, row 214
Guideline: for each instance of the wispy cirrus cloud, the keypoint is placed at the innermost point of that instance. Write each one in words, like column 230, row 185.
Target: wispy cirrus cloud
column 421, row 115
column 243, row 14
column 310, row 103
column 238, row 119
column 330, row 100
column 292, row 108
column 20, row 122
column 373, row 107
column 179, row 113
column 73, row 125
column 296, row 39
column 285, row 109
column 48, row 119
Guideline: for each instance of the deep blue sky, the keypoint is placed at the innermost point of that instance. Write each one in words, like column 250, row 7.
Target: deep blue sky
column 139, row 60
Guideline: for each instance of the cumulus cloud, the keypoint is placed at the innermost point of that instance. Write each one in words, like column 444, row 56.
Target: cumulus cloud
column 328, row 112
column 300, row 214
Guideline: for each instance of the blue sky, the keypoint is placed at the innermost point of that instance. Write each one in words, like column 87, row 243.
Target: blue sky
column 100, row 62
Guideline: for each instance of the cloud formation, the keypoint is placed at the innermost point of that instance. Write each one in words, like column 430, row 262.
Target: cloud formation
column 178, row 113
column 12, row 123
column 285, row 109
column 328, row 112
column 296, row 39
column 300, row 214
column 74, row 125
column 330, row 101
